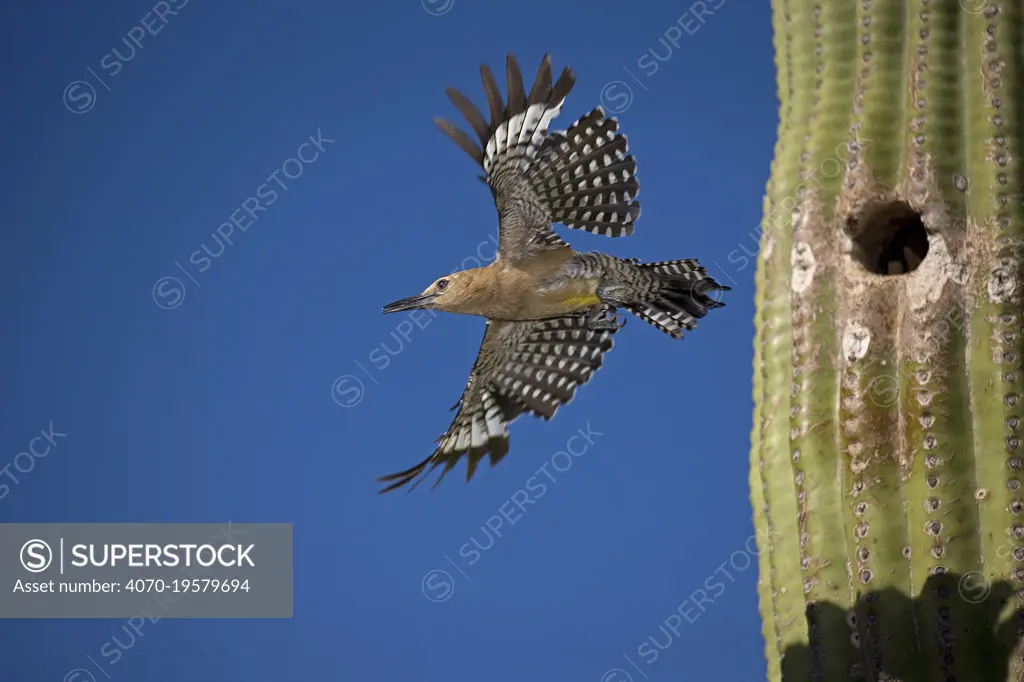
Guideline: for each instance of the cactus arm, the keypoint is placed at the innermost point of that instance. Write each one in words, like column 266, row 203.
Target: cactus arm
column 886, row 442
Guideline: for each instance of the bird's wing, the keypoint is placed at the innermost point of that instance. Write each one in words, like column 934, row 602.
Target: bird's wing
column 583, row 177
column 522, row 367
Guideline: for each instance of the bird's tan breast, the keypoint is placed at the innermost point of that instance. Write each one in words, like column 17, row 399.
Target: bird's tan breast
column 539, row 292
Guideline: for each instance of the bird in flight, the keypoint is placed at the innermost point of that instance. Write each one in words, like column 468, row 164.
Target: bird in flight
column 551, row 311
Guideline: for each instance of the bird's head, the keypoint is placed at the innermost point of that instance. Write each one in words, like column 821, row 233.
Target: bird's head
column 454, row 293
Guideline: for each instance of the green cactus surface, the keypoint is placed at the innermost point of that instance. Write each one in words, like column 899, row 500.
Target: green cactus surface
column 886, row 466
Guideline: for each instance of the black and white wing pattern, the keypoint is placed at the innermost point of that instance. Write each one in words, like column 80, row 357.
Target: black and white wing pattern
column 583, row 177
column 522, row 367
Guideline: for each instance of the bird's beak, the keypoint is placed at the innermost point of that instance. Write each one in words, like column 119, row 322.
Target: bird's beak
column 417, row 302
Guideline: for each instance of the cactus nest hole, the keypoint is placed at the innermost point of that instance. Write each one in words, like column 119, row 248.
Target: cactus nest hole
column 891, row 239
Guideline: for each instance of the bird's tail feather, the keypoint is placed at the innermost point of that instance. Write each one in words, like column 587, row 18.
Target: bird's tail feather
column 585, row 174
column 684, row 293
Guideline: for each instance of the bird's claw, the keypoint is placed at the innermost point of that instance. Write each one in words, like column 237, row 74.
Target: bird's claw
column 606, row 320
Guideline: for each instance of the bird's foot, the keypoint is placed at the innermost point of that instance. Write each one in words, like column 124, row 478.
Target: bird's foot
column 605, row 319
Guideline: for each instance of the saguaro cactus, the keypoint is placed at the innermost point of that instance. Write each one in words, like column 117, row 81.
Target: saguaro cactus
column 886, row 467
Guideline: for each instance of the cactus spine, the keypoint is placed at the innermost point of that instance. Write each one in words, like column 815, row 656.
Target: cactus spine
column 886, row 466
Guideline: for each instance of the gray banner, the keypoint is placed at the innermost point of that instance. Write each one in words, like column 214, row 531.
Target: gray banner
column 150, row 570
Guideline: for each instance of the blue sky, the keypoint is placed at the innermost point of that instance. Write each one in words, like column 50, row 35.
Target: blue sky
column 265, row 384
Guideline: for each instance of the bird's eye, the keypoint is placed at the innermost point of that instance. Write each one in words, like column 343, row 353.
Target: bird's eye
column 442, row 284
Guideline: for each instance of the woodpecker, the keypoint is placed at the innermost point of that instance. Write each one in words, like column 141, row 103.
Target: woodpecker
column 551, row 311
